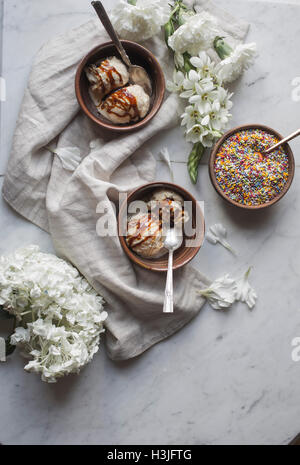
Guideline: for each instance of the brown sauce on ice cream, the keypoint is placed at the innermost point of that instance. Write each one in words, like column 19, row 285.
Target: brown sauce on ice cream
column 121, row 102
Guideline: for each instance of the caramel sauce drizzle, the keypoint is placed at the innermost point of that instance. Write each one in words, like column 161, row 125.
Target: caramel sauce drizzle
column 108, row 70
column 124, row 101
column 144, row 225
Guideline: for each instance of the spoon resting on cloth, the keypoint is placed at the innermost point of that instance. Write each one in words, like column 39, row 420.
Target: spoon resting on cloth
column 137, row 74
column 282, row 141
column 172, row 242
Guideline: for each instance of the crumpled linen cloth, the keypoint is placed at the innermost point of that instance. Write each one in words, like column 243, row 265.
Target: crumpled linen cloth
column 64, row 202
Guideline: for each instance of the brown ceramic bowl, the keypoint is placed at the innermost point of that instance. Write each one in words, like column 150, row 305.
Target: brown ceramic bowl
column 139, row 56
column 185, row 253
column 216, row 148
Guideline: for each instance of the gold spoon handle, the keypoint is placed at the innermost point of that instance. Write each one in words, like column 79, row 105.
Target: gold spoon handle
column 103, row 16
column 286, row 139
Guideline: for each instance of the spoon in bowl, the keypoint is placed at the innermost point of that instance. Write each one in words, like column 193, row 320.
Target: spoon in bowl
column 172, row 242
column 282, row 141
column 137, row 74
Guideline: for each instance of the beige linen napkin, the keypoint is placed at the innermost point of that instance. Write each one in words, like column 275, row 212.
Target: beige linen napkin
column 43, row 188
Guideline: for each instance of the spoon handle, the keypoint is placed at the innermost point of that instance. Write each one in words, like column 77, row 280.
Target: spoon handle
column 168, row 303
column 282, row 141
column 103, row 16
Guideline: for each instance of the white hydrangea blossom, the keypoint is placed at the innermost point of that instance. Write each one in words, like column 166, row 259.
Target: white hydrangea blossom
column 60, row 315
column 141, row 21
column 241, row 58
column 197, row 33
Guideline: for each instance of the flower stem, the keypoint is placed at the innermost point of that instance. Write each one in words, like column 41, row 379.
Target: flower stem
column 169, row 30
column 222, row 48
column 194, row 160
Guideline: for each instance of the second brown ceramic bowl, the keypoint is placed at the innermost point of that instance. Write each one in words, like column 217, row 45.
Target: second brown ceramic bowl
column 216, row 149
column 139, row 56
column 181, row 256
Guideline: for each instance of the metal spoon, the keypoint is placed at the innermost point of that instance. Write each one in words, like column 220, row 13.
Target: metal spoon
column 137, row 74
column 172, row 242
column 286, row 139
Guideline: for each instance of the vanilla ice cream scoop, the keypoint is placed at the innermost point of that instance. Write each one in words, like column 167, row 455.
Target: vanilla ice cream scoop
column 108, row 76
column 163, row 194
column 144, row 236
column 169, row 207
column 125, row 105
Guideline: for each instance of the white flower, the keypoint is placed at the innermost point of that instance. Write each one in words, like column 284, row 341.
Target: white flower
column 204, row 65
column 61, row 314
column 191, row 84
column 223, row 97
column 217, row 234
column 221, row 293
column 190, row 117
column 20, row 335
column 178, row 60
column 217, row 118
column 196, row 133
column 177, row 84
column 141, row 21
column 195, row 35
column 240, row 59
column 204, row 95
column 207, row 116
column 244, row 292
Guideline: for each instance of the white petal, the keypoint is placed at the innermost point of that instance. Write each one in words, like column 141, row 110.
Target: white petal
column 217, row 234
column 244, row 292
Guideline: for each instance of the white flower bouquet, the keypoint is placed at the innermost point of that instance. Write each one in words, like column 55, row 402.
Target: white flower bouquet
column 59, row 316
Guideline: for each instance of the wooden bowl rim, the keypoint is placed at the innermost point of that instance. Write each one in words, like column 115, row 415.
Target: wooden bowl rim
column 216, row 148
column 156, row 104
column 139, row 260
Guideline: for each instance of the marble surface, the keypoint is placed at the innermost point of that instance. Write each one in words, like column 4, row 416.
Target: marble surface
column 227, row 378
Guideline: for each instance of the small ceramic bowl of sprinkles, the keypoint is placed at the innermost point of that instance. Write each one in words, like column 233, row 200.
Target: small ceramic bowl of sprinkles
column 244, row 176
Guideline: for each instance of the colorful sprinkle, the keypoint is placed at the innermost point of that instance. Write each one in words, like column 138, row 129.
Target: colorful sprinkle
column 244, row 175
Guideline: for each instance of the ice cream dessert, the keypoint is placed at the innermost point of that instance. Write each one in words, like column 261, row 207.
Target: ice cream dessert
column 145, row 231
column 125, row 105
column 144, row 236
column 169, row 206
column 110, row 75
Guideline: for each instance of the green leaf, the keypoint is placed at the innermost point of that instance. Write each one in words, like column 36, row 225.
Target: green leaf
column 194, row 160
column 169, row 30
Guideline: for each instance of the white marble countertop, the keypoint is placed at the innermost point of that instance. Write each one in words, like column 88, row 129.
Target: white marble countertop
column 227, row 378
